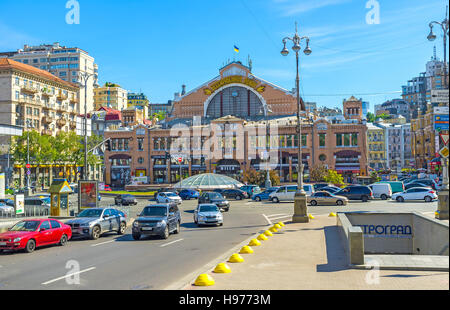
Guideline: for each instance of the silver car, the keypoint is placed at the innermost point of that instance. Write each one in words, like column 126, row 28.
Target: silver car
column 168, row 197
column 92, row 223
column 208, row 214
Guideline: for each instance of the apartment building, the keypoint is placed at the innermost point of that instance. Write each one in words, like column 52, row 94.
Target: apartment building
column 111, row 96
column 140, row 101
column 63, row 62
column 376, row 144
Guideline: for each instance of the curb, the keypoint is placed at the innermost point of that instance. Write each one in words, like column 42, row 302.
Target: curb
column 190, row 278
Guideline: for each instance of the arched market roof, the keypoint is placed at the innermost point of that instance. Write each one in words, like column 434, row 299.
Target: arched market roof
column 208, row 181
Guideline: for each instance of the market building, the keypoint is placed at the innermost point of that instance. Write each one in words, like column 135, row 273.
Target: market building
column 231, row 124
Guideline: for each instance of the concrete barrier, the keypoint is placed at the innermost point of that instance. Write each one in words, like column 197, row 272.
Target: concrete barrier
column 353, row 240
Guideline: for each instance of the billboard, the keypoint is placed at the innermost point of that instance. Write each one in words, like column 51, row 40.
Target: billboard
column 87, row 194
column 19, row 204
column 441, row 122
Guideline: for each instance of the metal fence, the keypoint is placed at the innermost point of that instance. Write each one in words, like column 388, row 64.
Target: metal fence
column 30, row 211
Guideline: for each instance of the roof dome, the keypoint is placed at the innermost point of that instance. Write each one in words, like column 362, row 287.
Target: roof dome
column 208, row 181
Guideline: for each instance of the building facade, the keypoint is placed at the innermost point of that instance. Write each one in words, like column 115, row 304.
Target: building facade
column 377, row 147
column 395, row 107
column 64, row 62
column 398, row 146
column 224, row 126
column 110, row 96
column 139, row 101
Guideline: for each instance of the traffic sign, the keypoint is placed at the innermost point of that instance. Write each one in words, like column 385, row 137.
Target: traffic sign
column 439, row 96
column 441, row 122
column 444, row 152
column 28, row 172
column 28, row 166
column 444, row 137
column 180, row 159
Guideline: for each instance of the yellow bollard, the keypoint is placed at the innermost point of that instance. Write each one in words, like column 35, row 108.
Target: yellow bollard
column 204, row 280
column 246, row 250
column 268, row 233
column 273, row 229
column 332, row 214
column 262, row 237
column 311, row 217
column 277, row 226
column 236, row 258
column 255, row 242
column 281, row 224
column 222, row 268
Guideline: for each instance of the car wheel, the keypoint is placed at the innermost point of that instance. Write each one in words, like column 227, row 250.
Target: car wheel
column 136, row 236
column 122, row 228
column 221, row 224
column 384, row 197
column 95, row 233
column 400, row 199
column 239, row 197
column 339, row 202
column 275, row 199
column 227, row 209
column 166, row 233
column 313, row 203
column 258, row 198
column 63, row 240
column 177, row 230
column 31, row 246
column 428, row 199
column 364, row 198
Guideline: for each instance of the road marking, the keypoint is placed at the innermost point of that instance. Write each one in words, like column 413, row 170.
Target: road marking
column 103, row 243
column 171, row 242
column 267, row 219
column 69, row 275
column 248, row 203
column 271, row 215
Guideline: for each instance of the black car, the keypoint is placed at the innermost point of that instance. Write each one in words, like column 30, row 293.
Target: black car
column 160, row 220
column 235, row 194
column 214, row 198
column 356, row 192
column 319, row 186
column 426, row 182
column 125, row 200
column 331, row 189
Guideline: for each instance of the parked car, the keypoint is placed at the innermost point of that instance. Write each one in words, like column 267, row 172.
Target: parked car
column 235, row 194
column 416, row 184
column 219, row 190
column 396, row 186
column 251, row 189
column 208, row 214
column 324, row 198
column 166, row 190
column 416, row 193
column 94, row 222
column 42, row 204
column 287, row 193
column 331, row 189
column 160, row 220
column 356, row 192
column 168, row 197
column 187, row 194
column 427, row 182
column 320, row 186
column 214, row 198
column 30, row 234
column 265, row 194
column 8, row 202
column 6, row 210
column 125, row 200
column 383, row 190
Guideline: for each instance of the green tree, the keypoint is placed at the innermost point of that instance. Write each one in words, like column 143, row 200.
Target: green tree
column 370, row 117
column 318, row 173
column 334, row 178
column 160, row 115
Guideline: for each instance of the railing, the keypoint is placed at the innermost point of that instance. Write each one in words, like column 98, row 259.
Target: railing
column 30, row 211
column 29, row 89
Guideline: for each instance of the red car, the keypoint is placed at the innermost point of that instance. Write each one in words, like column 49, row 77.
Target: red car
column 29, row 234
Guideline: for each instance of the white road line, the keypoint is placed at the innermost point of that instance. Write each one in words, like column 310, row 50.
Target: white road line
column 248, row 203
column 267, row 219
column 103, row 243
column 276, row 214
column 280, row 217
column 69, row 275
column 171, row 242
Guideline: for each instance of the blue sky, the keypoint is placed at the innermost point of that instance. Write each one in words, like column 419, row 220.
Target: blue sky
column 156, row 46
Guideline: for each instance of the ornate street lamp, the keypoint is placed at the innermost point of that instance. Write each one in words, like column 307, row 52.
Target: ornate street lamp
column 300, row 207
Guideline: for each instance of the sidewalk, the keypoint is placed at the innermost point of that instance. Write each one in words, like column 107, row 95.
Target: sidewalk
column 310, row 257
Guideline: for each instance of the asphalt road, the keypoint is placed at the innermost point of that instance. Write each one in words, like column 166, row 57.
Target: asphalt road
column 119, row 262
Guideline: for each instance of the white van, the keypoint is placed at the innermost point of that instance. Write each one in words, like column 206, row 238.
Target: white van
column 381, row 190
column 287, row 193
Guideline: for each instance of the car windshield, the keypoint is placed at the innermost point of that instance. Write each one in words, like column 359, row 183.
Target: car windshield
column 215, row 196
column 154, row 211
column 26, row 226
column 91, row 213
column 171, row 195
column 209, row 209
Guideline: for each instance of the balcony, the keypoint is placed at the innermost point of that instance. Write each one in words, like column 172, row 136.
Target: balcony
column 73, row 125
column 61, row 96
column 29, row 89
column 29, row 101
column 61, row 122
column 74, row 100
column 47, row 119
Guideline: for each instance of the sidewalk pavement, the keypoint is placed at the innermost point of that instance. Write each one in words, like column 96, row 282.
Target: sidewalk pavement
column 310, row 256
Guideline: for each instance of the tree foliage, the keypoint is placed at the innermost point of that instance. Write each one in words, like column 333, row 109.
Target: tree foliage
column 334, row 178
column 259, row 177
column 318, row 173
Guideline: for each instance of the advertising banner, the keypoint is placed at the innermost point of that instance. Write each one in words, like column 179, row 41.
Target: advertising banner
column 87, row 194
column 2, row 185
column 19, row 204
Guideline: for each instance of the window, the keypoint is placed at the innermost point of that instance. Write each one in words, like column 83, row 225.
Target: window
column 107, row 213
column 339, row 139
column 140, row 144
column 141, row 160
column 322, row 139
column 355, row 139
column 17, row 95
column 17, row 81
column 45, row 225
column 55, row 224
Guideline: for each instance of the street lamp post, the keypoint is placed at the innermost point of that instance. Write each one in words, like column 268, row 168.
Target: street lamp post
column 443, row 204
column 84, row 78
column 29, row 125
column 300, row 206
